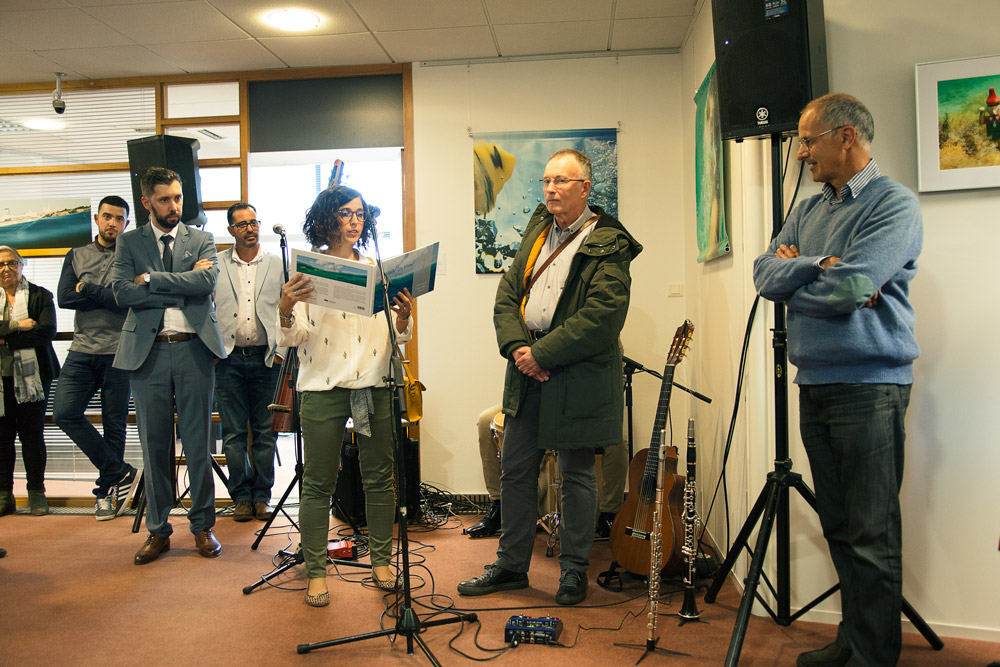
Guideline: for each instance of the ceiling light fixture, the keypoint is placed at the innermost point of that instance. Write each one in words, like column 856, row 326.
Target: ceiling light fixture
column 293, row 20
column 44, row 124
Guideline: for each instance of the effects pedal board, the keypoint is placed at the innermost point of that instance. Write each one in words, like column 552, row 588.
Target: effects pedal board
column 342, row 550
column 532, row 630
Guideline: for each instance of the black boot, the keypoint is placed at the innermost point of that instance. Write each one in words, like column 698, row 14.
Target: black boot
column 489, row 525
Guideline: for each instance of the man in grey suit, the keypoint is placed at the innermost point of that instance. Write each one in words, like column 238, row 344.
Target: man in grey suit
column 246, row 300
column 165, row 273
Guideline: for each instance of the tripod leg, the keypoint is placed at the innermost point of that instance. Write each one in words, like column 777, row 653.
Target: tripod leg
column 739, row 543
column 218, row 471
column 293, row 560
column 140, row 505
column 279, row 507
column 918, row 622
column 753, row 575
column 921, row 625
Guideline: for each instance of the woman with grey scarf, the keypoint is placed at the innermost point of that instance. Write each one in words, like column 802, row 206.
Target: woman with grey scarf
column 27, row 365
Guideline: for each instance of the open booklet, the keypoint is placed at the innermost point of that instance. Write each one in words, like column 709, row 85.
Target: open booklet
column 356, row 287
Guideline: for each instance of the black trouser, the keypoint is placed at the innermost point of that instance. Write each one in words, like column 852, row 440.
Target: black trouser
column 23, row 421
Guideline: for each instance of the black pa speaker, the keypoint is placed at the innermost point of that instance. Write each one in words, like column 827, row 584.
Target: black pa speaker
column 771, row 61
column 350, row 488
column 179, row 154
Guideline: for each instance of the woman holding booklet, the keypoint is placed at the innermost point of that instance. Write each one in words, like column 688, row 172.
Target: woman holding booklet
column 344, row 360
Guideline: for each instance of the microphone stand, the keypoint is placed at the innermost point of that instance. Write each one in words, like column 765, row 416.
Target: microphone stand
column 291, row 359
column 408, row 624
column 630, row 367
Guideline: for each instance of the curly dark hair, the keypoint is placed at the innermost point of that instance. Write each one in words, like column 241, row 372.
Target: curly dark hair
column 322, row 227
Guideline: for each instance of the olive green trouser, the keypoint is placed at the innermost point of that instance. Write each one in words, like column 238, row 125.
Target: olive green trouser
column 324, row 417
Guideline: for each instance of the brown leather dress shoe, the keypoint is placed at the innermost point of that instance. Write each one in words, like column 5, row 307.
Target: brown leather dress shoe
column 151, row 550
column 208, row 546
column 262, row 510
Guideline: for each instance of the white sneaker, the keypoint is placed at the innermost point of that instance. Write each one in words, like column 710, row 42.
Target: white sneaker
column 104, row 509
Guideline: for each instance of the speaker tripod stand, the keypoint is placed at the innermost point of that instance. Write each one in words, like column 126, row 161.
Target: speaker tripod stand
column 772, row 503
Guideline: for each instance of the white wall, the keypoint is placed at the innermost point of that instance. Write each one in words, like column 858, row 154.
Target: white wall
column 459, row 361
column 950, row 521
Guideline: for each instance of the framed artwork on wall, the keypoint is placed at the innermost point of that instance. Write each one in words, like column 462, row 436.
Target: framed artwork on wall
column 958, row 124
column 713, row 241
column 44, row 226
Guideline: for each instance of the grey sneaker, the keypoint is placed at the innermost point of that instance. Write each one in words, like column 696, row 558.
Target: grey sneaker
column 104, row 509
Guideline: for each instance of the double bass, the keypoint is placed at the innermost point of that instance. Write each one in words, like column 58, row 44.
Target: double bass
column 283, row 419
column 632, row 531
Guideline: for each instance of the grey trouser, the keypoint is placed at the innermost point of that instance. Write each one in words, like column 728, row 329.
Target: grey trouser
column 522, row 456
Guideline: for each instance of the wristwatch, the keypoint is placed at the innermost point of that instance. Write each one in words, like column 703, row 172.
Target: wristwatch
column 145, row 278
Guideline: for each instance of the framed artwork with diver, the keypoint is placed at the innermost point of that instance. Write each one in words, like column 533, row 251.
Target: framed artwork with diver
column 958, row 124
column 506, row 168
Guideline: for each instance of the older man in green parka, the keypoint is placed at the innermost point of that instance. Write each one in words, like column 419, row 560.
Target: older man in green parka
column 558, row 313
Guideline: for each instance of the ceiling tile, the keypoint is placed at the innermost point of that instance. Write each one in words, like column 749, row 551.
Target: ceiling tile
column 57, row 29
column 7, row 46
column 535, row 38
column 103, row 63
column 382, row 15
column 224, row 56
column 9, row 5
column 650, row 33
column 156, row 23
column 327, row 50
column 444, row 44
column 102, row 3
column 638, row 9
column 550, row 11
column 26, row 67
column 335, row 17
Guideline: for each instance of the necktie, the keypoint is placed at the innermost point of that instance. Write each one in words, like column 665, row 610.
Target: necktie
column 168, row 254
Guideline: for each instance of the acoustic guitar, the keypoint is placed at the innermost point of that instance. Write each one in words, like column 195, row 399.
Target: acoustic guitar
column 632, row 530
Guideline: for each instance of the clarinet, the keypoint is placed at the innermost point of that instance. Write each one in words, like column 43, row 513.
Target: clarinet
column 656, row 547
column 689, row 609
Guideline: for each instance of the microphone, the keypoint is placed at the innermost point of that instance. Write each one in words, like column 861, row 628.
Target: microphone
column 279, row 230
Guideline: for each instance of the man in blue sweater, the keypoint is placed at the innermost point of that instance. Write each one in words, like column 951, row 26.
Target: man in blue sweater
column 843, row 264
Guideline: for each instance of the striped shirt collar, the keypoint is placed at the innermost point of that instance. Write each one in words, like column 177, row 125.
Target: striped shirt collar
column 855, row 185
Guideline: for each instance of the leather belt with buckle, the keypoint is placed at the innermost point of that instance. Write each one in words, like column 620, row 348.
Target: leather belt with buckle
column 173, row 337
column 539, row 333
column 250, row 350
